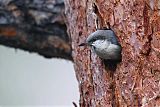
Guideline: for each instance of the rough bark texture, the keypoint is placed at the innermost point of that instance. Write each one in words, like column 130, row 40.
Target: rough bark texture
column 136, row 81
column 35, row 26
column 39, row 26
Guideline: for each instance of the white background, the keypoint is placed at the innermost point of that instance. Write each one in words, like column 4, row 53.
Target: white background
column 27, row 79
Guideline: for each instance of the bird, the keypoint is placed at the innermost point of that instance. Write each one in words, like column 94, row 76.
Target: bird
column 104, row 43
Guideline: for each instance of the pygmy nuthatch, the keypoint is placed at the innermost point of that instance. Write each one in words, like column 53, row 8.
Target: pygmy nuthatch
column 105, row 44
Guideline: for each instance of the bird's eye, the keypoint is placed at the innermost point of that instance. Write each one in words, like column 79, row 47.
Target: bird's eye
column 94, row 39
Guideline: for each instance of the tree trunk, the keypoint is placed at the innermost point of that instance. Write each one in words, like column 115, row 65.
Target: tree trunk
column 136, row 81
column 39, row 26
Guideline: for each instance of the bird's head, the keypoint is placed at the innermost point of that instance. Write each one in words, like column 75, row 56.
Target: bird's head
column 96, row 38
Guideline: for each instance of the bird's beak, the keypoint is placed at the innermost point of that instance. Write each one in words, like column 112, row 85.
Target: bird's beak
column 83, row 44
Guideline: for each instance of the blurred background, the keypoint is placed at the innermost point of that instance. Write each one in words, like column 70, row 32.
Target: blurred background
column 27, row 79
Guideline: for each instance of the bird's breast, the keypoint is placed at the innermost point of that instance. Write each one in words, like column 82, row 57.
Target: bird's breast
column 110, row 51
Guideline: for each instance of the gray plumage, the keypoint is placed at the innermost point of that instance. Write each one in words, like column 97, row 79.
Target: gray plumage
column 105, row 44
column 103, row 34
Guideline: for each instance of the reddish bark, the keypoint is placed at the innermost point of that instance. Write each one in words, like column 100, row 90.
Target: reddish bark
column 136, row 81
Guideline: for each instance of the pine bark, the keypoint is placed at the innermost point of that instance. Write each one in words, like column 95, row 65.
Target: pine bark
column 136, row 81
column 40, row 26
